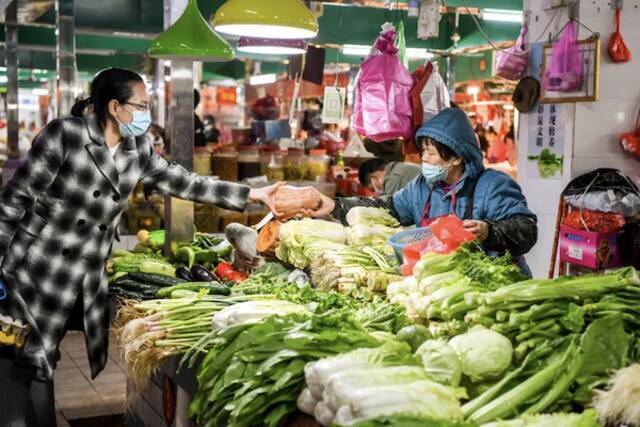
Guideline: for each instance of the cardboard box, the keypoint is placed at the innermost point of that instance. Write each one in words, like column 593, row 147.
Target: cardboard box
column 597, row 251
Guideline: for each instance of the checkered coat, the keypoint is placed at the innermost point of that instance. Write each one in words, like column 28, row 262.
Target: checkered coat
column 58, row 219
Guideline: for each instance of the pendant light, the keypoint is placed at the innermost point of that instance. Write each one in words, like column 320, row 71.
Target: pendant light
column 272, row 46
column 277, row 19
column 191, row 38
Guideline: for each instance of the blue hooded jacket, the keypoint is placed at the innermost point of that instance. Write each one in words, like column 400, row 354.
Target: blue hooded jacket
column 496, row 197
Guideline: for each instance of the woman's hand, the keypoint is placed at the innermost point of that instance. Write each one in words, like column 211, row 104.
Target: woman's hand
column 479, row 228
column 266, row 195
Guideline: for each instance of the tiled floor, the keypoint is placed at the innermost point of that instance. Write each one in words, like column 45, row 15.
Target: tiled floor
column 77, row 396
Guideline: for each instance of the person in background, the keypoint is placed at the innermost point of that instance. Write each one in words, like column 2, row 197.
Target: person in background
column 497, row 152
column 58, row 222
column 198, row 127
column 510, row 147
column 211, row 132
column 386, row 178
column 454, row 181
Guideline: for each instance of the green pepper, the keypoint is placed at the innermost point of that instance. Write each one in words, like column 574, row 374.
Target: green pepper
column 187, row 255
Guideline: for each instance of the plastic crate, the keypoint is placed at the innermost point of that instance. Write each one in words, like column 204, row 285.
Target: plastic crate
column 401, row 240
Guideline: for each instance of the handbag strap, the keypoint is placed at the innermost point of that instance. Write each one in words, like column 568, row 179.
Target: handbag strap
column 618, row 20
column 523, row 33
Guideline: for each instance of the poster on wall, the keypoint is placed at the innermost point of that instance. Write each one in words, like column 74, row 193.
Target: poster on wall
column 545, row 151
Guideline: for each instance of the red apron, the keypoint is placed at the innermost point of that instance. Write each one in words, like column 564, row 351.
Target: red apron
column 426, row 221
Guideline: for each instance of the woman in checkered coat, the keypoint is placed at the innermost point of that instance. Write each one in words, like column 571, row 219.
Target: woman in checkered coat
column 58, row 219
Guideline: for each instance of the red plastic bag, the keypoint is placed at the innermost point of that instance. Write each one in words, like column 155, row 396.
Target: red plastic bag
column 618, row 50
column 565, row 73
column 599, row 222
column 512, row 63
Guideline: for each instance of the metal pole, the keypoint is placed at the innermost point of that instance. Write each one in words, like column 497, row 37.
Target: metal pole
column 65, row 56
column 179, row 215
column 451, row 75
column 11, row 41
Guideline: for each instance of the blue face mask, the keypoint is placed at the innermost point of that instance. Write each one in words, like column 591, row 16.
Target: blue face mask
column 433, row 173
column 138, row 126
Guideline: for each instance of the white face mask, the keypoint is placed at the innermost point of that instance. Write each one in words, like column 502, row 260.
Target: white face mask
column 378, row 189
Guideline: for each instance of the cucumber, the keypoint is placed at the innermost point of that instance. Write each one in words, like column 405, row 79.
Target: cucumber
column 155, row 279
column 211, row 287
column 118, row 275
column 133, row 286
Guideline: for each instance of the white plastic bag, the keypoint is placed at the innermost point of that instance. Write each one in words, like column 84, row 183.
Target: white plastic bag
column 434, row 96
column 607, row 201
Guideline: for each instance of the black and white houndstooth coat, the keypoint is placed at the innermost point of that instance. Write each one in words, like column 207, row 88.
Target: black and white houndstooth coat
column 58, row 218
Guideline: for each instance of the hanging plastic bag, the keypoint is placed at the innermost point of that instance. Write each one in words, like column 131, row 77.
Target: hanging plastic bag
column 565, row 73
column 630, row 141
column 401, row 44
column 512, row 63
column 381, row 110
column 618, row 50
column 434, row 97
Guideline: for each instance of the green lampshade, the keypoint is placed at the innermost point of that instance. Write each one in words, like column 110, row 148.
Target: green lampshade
column 275, row 19
column 191, row 38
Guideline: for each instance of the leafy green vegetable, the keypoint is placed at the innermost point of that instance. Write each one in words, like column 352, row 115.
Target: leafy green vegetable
column 588, row 418
column 301, row 240
column 403, row 420
column 414, row 335
column 362, row 215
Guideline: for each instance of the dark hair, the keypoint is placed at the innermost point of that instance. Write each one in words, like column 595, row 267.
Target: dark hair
column 112, row 83
column 492, row 130
column 484, row 144
column 368, row 167
column 444, row 151
column 196, row 98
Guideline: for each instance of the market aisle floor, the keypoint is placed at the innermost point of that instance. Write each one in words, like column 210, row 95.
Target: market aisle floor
column 79, row 398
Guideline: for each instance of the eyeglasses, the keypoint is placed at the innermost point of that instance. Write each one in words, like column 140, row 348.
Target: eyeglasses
column 139, row 107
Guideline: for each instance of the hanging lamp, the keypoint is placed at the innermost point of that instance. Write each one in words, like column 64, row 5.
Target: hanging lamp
column 272, row 46
column 191, row 38
column 275, row 19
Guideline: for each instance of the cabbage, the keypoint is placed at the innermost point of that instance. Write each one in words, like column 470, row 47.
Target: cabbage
column 300, row 241
column 418, row 398
column 370, row 216
column 440, row 362
column 318, row 373
column 485, row 354
column 414, row 335
column 253, row 311
column 369, row 235
column 342, row 385
column 307, row 402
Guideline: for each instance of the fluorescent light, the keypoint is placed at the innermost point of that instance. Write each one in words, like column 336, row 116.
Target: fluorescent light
column 418, row 53
column 262, row 79
column 4, row 79
column 502, row 15
column 362, row 50
column 271, row 50
column 473, row 90
column 356, row 50
column 39, row 91
column 508, row 106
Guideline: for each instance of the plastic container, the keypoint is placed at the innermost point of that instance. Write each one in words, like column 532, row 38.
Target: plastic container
column 275, row 170
column 201, row 161
column 248, row 162
column 405, row 238
column 295, row 164
column 225, row 164
column 318, row 164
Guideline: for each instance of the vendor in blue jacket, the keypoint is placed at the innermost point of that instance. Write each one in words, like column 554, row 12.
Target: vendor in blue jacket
column 453, row 180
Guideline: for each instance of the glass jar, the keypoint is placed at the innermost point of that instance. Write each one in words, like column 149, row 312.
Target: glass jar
column 225, row 164
column 266, row 151
column 248, row 162
column 201, row 161
column 295, row 165
column 318, row 164
column 275, row 171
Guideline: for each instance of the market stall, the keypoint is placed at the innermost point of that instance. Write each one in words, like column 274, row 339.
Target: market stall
column 327, row 329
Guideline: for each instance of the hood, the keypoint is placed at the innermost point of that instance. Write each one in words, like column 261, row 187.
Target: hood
column 452, row 128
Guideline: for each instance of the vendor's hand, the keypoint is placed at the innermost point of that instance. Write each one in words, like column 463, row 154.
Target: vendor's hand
column 327, row 206
column 266, row 195
column 479, row 228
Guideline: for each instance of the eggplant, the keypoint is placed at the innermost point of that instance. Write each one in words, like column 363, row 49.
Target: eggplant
column 183, row 272
column 200, row 274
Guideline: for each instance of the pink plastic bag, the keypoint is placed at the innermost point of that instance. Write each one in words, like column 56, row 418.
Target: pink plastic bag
column 512, row 63
column 564, row 73
column 382, row 108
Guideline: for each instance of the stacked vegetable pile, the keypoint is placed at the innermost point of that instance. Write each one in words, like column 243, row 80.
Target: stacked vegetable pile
column 439, row 283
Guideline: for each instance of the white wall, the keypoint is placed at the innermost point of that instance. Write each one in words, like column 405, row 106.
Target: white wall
column 591, row 127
